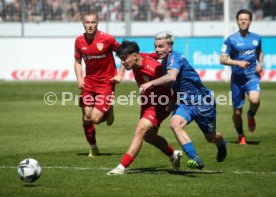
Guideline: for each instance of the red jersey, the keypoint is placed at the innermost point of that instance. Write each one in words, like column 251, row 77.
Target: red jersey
column 150, row 70
column 98, row 57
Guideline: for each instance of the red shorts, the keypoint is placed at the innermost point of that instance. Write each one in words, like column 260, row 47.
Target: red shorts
column 99, row 100
column 155, row 114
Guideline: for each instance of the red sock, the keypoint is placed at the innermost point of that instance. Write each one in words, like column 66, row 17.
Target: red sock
column 169, row 151
column 90, row 133
column 126, row 160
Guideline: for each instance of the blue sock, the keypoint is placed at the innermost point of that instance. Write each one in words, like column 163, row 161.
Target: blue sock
column 251, row 113
column 239, row 130
column 189, row 149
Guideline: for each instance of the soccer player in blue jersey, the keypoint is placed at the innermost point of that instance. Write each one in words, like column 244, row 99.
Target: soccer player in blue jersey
column 194, row 100
column 243, row 52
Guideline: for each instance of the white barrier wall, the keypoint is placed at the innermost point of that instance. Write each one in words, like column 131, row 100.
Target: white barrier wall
column 53, row 59
column 37, row 59
column 180, row 29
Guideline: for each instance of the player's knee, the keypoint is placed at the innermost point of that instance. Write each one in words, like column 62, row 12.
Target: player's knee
column 86, row 118
column 255, row 101
column 175, row 126
column 141, row 131
column 237, row 113
column 96, row 119
column 210, row 137
column 149, row 135
column 148, row 138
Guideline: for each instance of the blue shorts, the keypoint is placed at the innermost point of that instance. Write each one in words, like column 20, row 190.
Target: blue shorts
column 204, row 115
column 239, row 88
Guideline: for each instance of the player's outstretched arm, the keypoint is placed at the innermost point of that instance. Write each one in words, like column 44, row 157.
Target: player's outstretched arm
column 169, row 78
column 118, row 77
column 78, row 72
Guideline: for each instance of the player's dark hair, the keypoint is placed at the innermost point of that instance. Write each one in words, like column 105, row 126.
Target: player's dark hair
column 127, row 48
column 244, row 11
column 90, row 13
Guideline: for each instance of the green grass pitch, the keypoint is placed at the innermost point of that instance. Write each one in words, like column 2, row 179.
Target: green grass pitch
column 53, row 135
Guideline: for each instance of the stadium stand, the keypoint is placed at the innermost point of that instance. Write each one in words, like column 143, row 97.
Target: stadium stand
column 141, row 10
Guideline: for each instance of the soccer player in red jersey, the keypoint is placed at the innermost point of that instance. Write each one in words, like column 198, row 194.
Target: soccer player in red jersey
column 96, row 49
column 153, row 109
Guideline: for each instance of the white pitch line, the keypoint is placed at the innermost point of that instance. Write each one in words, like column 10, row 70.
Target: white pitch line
column 133, row 169
column 61, row 167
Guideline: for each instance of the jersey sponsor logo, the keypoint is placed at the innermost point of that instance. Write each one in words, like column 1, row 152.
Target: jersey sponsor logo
column 240, row 44
column 100, row 46
column 255, row 42
column 246, row 52
column 89, row 57
column 84, row 48
column 39, row 74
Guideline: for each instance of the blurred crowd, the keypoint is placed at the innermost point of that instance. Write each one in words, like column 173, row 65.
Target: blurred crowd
column 140, row 10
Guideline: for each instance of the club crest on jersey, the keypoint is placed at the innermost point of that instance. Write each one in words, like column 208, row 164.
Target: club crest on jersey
column 100, row 46
column 255, row 42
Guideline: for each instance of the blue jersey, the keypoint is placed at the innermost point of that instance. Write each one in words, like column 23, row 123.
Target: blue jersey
column 243, row 48
column 188, row 82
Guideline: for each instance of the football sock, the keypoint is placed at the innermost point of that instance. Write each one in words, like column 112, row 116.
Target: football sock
column 90, row 133
column 251, row 113
column 189, row 149
column 94, row 146
column 126, row 160
column 239, row 130
column 169, row 151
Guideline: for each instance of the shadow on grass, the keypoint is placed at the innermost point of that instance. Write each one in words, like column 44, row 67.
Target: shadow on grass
column 159, row 170
column 31, row 185
column 248, row 142
column 101, row 154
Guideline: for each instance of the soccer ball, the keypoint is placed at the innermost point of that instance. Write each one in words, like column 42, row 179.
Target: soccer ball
column 29, row 170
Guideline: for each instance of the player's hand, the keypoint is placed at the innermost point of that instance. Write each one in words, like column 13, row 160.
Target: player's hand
column 144, row 87
column 244, row 64
column 259, row 68
column 117, row 79
column 81, row 83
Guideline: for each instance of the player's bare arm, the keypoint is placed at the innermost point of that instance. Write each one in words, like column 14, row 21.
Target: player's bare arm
column 118, row 77
column 226, row 60
column 169, row 78
column 78, row 72
column 259, row 67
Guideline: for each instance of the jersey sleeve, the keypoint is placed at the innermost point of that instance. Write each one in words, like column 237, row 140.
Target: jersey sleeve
column 173, row 62
column 114, row 44
column 226, row 47
column 77, row 53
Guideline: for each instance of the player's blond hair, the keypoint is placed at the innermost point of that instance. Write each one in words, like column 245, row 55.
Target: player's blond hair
column 165, row 35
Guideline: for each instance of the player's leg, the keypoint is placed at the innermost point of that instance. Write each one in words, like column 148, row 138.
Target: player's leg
column 103, row 109
column 142, row 127
column 219, row 141
column 206, row 120
column 253, row 91
column 238, row 95
column 161, row 143
column 181, row 117
column 89, row 130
